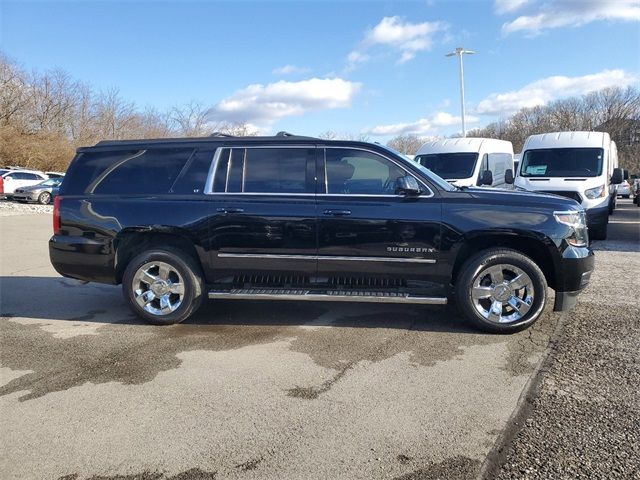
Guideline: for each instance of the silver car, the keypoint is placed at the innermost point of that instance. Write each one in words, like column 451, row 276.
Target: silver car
column 42, row 193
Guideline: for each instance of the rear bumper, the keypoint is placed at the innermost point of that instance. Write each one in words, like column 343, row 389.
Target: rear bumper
column 576, row 267
column 83, row 258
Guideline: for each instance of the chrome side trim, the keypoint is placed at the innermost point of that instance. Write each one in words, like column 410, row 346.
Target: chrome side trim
column 326, row 257
column 323, row 297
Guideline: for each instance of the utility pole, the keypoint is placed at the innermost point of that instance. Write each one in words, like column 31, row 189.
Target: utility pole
column 459, row 52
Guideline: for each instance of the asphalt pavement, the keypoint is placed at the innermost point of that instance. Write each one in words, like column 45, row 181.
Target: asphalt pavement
column 249, row 389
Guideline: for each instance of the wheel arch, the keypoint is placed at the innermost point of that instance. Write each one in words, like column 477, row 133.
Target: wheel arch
column 134, row 240
column 539, row 248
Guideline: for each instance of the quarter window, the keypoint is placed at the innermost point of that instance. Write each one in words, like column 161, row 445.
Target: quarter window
column 358, row 172
column 145, row 172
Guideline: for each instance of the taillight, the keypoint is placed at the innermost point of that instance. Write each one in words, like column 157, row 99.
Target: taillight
column 56, row 214
column 1, row 185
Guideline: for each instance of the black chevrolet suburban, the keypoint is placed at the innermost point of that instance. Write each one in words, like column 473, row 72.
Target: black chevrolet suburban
column 299, row 218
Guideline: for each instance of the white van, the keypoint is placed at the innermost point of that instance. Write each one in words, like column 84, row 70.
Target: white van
column 469, row 161
column 579, row 165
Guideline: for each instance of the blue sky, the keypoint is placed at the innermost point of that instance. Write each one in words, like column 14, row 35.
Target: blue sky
column 310, row 66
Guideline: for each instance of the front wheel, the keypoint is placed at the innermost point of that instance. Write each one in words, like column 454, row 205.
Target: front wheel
column 44, row 198
column 501, row 291
column 163, row 286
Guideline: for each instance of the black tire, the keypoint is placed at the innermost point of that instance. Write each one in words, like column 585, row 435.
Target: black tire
column 192, row 279
column 475, row 267
column 44, row 198
column 599, row 232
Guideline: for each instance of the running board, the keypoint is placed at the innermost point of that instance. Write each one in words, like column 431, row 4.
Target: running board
column 323, row 296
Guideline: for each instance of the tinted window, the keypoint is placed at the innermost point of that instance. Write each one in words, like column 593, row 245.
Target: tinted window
column 359, row 172
column 31, row 176
column 562, row 162
column 86, row 167
column 236, row 170
column 222, row 169
column 277, row 170
column 449, row 165
column 150, row 171
column 194, row 176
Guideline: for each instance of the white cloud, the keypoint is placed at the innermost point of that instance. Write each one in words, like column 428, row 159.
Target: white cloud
column 548, row 89
column 508, row 6
column 289, row 70
column 572, row 13
column 423, row 126
column 265, row 104
column 404, row 37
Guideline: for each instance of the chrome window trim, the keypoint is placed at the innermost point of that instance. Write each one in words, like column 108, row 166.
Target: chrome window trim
column 399, row 165
column 325, row 257
column 219, row 150
column 208, row 187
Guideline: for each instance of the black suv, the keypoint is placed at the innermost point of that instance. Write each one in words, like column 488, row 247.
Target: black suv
column 300, row 218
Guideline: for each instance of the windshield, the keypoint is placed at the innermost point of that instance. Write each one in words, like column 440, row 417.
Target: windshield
column 562, row 162
column 450, row 165
column 443, row 184
column 51, row 182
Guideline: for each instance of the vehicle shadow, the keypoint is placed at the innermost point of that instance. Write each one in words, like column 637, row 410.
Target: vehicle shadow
column 62, row 299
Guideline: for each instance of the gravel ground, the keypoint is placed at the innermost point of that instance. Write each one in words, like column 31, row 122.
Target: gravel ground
column 9, row 208
column 582, row 416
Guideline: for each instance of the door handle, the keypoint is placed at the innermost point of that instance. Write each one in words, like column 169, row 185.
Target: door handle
column 337, row 213
column 229, row 210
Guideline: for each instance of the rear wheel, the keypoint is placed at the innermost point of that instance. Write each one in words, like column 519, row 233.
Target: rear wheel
column 163, row 286
column 501, row 291
column 44, row 198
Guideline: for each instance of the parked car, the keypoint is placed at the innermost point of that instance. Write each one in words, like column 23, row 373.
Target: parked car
column 12, row 179
column 469, row 161
column 623, row 189
column 297, row 218
column 54, row 174
column 578, row 165
column 42, row 193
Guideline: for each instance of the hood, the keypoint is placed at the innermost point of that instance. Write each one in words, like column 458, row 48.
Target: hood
column 35, row 188
column 498, row 196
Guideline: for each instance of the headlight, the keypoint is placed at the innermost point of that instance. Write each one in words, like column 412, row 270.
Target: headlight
column 597, row 192
column 577, row 221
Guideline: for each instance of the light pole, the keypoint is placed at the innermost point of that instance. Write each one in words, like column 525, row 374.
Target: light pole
column 459, row 52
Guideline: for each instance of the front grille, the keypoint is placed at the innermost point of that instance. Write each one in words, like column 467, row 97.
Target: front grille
column 572, row 195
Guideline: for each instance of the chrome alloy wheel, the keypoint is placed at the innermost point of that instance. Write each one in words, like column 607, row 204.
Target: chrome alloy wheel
column 158, row 288
column 502, row 293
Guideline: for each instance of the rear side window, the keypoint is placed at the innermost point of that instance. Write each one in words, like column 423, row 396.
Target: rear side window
column 146, row 172
column 265, row 170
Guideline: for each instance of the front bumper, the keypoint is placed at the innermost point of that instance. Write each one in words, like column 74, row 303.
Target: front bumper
column 597, row 217
column 25, row 196
column 576, row 267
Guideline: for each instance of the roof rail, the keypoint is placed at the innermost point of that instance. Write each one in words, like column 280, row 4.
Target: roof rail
column 220, row 134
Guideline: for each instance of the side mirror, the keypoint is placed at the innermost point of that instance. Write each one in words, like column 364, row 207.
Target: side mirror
column 407, row 185
column 508, row 176
column 487, row 178
column 626, row 174
column 617, row 176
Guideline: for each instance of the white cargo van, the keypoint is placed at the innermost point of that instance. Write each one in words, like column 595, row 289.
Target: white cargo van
column 579, row 165
column 469, row 161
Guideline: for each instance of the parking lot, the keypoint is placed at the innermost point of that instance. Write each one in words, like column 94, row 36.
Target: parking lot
column 266, row 389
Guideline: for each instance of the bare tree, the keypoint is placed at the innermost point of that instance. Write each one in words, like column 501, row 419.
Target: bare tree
column 407, row 144
column 191, row 119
